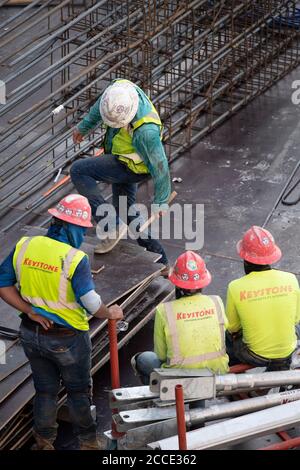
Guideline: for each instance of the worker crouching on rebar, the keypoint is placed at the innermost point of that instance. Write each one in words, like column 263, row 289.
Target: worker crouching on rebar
column 189, row 332
column 133, row 152
column 263, row 307
column 55, row 290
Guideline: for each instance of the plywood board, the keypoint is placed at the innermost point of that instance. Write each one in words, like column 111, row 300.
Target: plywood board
column 13, row 381
column 10, row 407
column 15, row 358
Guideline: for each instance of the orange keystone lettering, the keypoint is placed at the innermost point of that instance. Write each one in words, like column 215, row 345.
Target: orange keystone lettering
column 243, row 295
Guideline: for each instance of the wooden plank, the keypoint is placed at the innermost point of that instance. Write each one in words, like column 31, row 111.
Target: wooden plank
column 15, row 359
column 15, row 402
column 19, row 2
column 13, row 381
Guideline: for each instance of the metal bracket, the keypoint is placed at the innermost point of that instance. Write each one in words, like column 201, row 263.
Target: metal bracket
column 200, row 388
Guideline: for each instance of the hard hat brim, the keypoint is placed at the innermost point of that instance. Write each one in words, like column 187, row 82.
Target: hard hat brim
column 67, row 218
column 276, row 255
column 190, row 284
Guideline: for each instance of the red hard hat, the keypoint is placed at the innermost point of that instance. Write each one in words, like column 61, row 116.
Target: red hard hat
column 190, row 272
column 258, row 247
column 74, row 209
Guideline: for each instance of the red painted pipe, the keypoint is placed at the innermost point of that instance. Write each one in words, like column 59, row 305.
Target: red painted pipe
column 114, row 367
column 285, row 445
column 180, row 415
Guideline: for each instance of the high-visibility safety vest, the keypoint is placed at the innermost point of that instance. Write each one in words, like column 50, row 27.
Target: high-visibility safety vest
column 190, row 333
column 122, row 141
column 44, row 269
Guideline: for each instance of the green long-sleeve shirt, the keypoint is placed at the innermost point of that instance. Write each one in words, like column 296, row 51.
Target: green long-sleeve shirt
column 146, row 141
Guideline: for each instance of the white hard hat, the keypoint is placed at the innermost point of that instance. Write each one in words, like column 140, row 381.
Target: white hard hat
column 119, row 104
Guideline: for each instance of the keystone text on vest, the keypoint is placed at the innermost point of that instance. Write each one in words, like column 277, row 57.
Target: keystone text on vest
column 40, row 265
column 253, row 294
column 188, row 316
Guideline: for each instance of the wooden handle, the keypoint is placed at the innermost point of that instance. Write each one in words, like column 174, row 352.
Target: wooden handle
column 154, row 216
column 66, row 179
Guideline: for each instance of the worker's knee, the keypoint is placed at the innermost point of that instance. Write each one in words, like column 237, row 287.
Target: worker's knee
column 76, row 170
column 146, row 362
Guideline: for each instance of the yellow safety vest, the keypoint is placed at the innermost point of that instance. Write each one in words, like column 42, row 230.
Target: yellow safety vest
column 44, row 269
column 122, row 141
column 266, row 307
column 190, row 333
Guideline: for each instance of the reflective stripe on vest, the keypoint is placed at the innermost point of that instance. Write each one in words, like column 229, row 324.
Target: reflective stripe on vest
column 62, row 302
column 123, row 139
column 177, row 358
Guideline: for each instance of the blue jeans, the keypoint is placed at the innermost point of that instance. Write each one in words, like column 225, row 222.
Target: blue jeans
column 54, row 359
column 145, row 363
column 238, row 353
column 86, row 173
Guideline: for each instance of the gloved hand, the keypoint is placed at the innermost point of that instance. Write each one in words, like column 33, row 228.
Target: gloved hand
column 77, row 136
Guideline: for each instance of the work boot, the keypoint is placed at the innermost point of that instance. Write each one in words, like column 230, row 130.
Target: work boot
column 42, row 443
column 98, row 443
column 108, row 243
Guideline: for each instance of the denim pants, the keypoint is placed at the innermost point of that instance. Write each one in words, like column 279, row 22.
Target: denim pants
column 86, row 173
column 55, row 359
column 145, row 363
column 238, row 353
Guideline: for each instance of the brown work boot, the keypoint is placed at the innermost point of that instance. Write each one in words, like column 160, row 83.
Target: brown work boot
column 99, row 443
column 42, row 443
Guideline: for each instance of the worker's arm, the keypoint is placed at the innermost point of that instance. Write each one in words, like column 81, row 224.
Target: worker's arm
column 234, row 324
column 84, row 289
column 11, row 296
column 146, row 140
column 160, row 344
column 89, row 122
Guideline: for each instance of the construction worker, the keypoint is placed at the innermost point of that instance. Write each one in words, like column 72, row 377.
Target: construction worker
column 189, row 332
column 55, row 290
column 263, row 306
column 133, row 152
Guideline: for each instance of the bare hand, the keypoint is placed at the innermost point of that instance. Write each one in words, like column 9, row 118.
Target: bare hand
column 77, row 137
column 46, row 324
column 115, row 313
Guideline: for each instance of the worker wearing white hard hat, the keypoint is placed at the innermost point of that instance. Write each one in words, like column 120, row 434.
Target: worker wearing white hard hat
column 133, row 151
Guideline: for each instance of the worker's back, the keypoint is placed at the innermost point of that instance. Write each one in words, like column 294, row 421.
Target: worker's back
column 266, row 306
column 190, row 333
column 44, row 268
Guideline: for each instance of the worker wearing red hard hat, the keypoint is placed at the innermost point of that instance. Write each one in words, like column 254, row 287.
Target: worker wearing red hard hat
column 189, row 332
column 55, row 292
column 263, row 307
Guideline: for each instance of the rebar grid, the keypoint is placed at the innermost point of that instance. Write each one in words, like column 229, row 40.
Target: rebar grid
column 199, row 61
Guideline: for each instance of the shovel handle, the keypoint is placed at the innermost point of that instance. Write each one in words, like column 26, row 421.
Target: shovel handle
column 154, row 216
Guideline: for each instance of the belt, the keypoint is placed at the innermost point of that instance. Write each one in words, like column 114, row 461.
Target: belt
column 54, row 330
column 272, row 361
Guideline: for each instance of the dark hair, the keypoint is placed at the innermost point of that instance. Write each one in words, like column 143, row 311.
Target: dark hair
column 250, row 267
column 179, row 292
